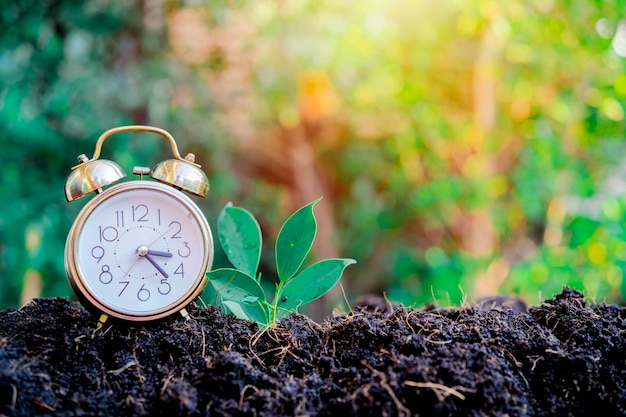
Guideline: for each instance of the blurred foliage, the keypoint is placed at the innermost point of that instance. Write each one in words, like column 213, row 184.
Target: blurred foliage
column 462, row 148
column 68, row 74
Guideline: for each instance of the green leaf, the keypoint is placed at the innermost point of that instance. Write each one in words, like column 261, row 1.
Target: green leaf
column 237, row 293
column 240, row 236
column 294, row 241
column 312, row 283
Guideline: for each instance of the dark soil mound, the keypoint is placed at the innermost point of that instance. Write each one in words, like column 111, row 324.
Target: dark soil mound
column 565, row 357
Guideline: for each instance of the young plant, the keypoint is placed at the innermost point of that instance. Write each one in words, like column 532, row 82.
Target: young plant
column 238, row 290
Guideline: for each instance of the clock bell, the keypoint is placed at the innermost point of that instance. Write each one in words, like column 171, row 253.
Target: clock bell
column 92, row 175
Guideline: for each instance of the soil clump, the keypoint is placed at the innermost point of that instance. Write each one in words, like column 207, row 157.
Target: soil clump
column 564, row 357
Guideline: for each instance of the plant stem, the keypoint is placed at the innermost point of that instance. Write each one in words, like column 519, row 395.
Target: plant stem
column 274, row 307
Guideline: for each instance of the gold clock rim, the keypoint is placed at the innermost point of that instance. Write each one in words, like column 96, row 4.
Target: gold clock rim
column 73, row 270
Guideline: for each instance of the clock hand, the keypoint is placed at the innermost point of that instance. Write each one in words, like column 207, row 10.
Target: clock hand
column 160, row 236
column 131, row 265
column 156, row 265
column 159, row 253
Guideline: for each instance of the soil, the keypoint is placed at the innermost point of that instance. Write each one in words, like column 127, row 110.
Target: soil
column 564, row 357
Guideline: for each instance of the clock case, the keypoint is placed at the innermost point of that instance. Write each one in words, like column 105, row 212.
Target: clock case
column 92, row 175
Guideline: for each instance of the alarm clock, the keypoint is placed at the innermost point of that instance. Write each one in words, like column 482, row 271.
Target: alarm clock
column 139, row 250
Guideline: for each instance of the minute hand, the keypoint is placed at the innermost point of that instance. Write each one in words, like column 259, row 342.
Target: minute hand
column 156, row 265
column 159, row 253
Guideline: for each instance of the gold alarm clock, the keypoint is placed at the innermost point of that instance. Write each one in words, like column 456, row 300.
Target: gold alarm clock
column 139, row 250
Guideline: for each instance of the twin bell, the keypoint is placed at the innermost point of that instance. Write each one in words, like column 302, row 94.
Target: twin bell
column 92, row 175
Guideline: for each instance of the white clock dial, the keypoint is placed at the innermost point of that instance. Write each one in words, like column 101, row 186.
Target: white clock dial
column 140, row 249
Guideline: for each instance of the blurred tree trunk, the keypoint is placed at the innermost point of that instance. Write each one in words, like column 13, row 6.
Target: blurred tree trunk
column 478, row 235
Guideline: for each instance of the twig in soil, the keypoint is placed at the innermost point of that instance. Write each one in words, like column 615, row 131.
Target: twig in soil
column 203, row 342
column 535, row 359
column 139, row 375
column 97, row 330
column 77, row 339
column 518, row 366
column 165, row 384
column 132, row 401
column 436, row 342
column 128, row 365
column 441, row 391
column 14, row 396
column 42, row 404
column 122, row 369
column 243, row 393
column 402, row 410
column 406, row 320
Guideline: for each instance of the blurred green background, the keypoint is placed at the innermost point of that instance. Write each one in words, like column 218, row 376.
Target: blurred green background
column 463, row 148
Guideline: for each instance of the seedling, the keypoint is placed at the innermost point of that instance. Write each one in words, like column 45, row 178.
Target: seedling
column 238, row 290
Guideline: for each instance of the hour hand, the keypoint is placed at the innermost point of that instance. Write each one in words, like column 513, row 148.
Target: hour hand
column 156, row 265
column 159, row 253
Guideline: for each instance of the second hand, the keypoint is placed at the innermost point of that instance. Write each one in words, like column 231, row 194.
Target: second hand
column 135, row 258
column 160, row 236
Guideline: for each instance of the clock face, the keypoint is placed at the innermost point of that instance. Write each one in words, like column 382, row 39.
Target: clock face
column 140, row 249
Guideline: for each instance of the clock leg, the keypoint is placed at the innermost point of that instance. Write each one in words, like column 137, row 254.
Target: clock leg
column 185, row 314
column 103, row 318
